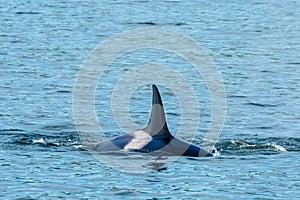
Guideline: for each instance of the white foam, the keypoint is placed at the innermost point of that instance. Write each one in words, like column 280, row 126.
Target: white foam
column 40, row 141
column 79, row 146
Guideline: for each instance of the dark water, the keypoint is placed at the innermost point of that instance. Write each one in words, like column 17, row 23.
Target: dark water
column 255, row 46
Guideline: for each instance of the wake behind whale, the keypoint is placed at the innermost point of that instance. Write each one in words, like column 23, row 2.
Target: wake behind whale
column 155, row 137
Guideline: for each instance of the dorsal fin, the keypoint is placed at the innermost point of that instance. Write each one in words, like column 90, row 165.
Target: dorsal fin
column 157, row 126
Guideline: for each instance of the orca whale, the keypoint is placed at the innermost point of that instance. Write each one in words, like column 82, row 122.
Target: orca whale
column 155, row 137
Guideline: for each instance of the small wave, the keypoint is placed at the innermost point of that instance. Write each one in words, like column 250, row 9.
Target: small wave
column 145, row 23
column 27, row 13
column 159, row 24
column 260, row 104
column 256, row 146
column 278, row 147
column 11, row 130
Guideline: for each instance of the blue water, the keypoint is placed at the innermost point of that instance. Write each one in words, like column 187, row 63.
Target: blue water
column 255, row 46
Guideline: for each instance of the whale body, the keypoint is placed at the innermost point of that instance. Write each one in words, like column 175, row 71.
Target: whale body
column 155, row 137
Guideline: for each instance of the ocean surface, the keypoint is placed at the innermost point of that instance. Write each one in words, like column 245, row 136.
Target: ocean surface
column 255, row 46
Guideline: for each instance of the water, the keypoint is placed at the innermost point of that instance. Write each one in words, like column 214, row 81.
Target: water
column 255, row 46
